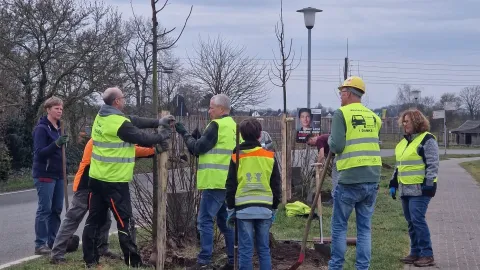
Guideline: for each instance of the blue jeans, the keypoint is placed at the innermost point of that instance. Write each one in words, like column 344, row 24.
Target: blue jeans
column 246, row 241
column 50, row 204
column 360, row 197
column 212, row 204
column 414, row 209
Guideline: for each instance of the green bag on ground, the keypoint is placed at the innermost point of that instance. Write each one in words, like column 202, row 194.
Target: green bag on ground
column 297, row 209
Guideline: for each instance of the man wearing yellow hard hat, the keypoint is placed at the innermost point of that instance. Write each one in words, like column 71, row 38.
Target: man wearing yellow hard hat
column 354, row 140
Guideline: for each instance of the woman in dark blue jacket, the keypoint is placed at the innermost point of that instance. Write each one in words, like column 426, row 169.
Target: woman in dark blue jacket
column 47, row 175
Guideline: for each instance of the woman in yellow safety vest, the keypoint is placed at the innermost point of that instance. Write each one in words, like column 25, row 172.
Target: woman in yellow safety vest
column 415, row 177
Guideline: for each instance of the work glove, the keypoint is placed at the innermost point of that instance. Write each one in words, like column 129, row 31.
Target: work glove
column 231, row 218
column 393, row 191
column 274, row 214
column 162, row 147
column 196, row 134
column 180, row 128
column 61, row 140
column 166, row 121
column 426, row 186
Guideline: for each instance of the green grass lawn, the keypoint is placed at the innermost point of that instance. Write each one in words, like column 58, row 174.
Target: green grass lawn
column 473, row 167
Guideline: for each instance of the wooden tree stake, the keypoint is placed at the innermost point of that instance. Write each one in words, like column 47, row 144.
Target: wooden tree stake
column 162, row 207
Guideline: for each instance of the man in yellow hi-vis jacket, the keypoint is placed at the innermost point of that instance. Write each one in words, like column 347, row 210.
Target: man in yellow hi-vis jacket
column 114, row 137
column 214, row 149
column 354, row 140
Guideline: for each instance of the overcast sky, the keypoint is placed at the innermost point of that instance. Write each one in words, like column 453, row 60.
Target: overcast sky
column 431, row 44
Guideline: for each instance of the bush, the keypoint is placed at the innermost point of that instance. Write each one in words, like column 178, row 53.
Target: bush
column 5, row 161
column 18, row 138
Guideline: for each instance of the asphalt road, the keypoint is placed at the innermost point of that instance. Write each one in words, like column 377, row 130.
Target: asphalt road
column 17, row 212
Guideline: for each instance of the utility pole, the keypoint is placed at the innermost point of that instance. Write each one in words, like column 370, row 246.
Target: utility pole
column 345, row 71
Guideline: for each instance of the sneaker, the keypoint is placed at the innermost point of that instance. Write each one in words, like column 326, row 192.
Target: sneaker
column 409, row 259
column 424, row 262
column 43, row 250
column 227, row 267
column 111, row 255
column 199, row 266
column 58, row 260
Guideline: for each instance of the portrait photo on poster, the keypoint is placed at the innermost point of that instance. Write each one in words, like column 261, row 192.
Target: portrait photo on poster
column 308, row 121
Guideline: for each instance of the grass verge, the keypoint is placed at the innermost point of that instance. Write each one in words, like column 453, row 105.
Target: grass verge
column 75, row 260
column 472, row 167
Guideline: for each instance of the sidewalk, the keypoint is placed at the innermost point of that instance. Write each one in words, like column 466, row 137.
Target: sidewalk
column 453, row 217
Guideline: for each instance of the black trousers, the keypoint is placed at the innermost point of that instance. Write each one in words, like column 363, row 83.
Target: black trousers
column 116, row 197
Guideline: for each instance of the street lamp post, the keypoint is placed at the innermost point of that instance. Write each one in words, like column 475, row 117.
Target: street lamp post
column 309, row 17
column 162, row 69
column 416, row 95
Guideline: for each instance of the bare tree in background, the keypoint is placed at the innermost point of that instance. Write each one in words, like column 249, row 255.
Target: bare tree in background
column 470, row 97
column 222, row 68
column 45, row 43
column 283, row 66
column 156, row 47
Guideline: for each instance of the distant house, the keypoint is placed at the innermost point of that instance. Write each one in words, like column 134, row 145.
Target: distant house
column 468, row 133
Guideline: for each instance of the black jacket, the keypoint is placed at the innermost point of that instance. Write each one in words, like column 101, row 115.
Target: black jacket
column 232, row 184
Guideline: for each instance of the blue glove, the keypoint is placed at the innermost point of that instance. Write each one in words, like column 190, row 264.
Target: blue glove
column 231, row 218
column 393, row 191
column 274, row 214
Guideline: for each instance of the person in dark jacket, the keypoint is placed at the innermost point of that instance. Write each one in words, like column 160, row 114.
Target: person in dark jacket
column 253, row 195
column 47, row 175
column 415, row 177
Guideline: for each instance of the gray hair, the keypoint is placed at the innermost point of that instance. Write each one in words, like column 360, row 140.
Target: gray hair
column 221, row 100
column 355, row 91
column 111, row 94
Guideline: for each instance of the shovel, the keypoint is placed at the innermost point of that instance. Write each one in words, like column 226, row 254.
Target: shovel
column 301, row 256
column 321, row 247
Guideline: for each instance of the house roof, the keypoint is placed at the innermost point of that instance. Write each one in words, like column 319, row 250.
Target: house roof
column 467, row 126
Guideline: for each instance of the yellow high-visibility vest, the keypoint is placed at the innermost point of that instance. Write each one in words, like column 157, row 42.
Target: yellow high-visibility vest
column 410, row 165
column 362, row 144
column 112, row 159
column 254, row 172
column 213, row 166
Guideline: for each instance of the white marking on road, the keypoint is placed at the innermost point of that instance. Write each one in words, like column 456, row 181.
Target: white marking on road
column 21, row 191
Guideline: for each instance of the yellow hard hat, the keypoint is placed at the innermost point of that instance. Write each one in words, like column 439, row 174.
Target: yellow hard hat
column 353, row 81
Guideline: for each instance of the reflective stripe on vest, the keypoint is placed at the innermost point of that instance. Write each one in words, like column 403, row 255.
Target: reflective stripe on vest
column 112, row 159
column 213, row 166
column 362, row 144
column 254, row 173
column 410, row 165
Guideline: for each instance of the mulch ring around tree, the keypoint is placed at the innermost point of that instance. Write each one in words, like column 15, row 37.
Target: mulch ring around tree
column 284, row 255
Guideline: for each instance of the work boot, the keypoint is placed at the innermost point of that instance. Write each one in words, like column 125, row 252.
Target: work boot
column 199, row 266
column 424, row 262
column 43, row 250
column 60, row 260
column 409, row 259
column 227, row 266
column 111, row 255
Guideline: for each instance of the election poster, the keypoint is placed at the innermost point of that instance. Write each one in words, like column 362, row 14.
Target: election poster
column 308, row 121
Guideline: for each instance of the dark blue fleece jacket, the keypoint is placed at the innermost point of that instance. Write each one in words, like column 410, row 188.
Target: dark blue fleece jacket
column 47, row 156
